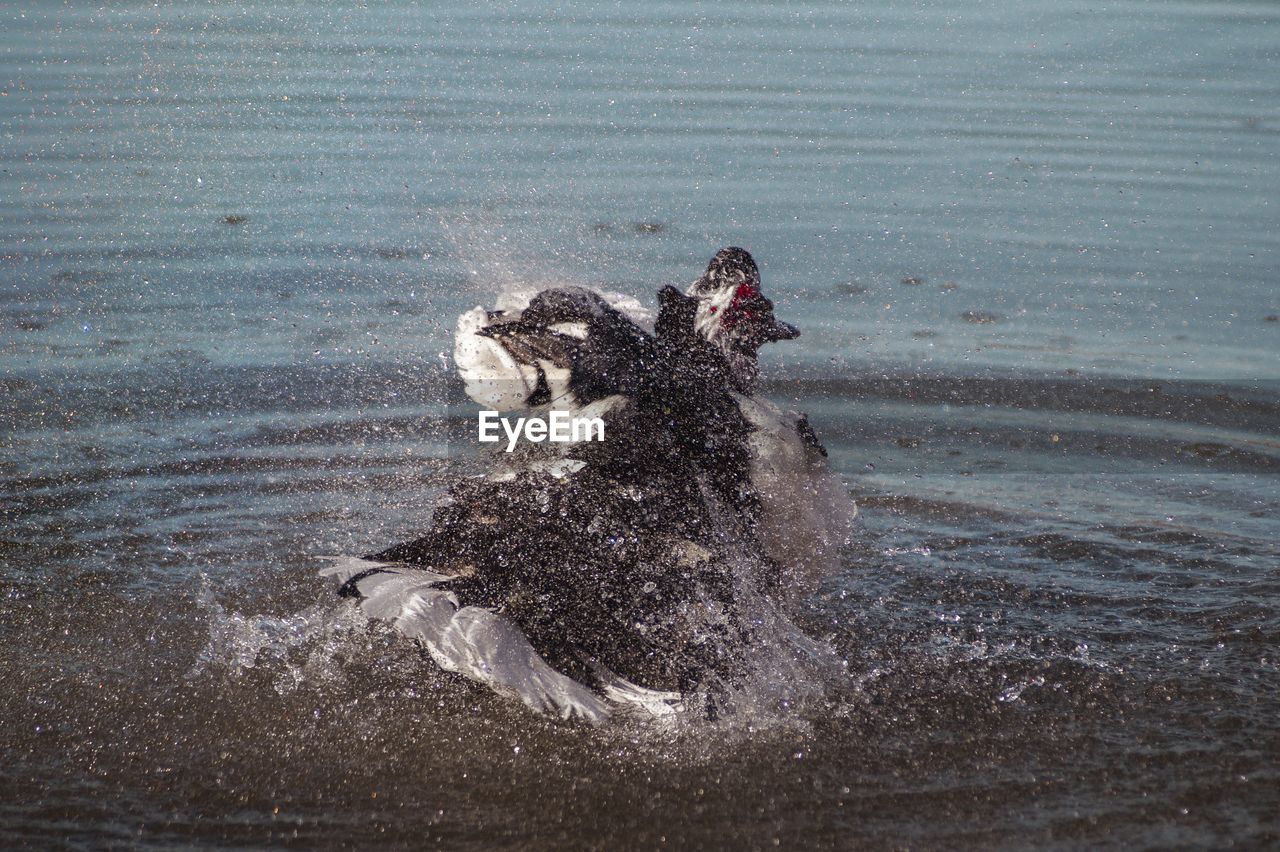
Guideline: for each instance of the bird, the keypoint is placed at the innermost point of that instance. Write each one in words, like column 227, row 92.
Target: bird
column 591, row 578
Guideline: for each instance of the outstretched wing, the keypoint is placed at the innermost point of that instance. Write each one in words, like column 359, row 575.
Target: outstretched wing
column 568, row 347
column 472, row 641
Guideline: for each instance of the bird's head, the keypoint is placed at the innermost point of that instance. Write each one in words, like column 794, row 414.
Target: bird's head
column 732, row 311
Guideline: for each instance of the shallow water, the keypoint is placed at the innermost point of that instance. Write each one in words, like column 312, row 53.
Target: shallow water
column 1033, row 255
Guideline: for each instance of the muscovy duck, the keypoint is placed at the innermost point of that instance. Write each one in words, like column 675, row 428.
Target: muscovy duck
column 587, row 576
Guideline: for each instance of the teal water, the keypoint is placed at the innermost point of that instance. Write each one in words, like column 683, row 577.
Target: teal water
column 1033, row 250
column 1099, row 176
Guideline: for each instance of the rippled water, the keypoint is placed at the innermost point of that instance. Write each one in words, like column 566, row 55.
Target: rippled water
column 1034, row 255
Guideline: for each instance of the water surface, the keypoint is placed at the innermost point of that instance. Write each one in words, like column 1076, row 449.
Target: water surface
column 1033, row 253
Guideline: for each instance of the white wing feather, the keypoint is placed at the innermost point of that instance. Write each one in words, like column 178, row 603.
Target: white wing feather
column 494, row 379
column 471, row 641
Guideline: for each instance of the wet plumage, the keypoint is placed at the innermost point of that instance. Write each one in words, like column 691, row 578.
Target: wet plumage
column 623, row 564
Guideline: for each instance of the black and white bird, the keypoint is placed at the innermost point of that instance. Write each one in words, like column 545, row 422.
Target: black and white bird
column 586, row 577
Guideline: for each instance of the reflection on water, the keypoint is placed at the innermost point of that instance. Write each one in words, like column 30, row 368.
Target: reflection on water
column 1033, row 255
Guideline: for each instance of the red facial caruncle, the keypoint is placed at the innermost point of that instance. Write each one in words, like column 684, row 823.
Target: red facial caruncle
column 740, row 308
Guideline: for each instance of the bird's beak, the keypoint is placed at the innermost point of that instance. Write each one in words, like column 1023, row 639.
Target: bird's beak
column 779, row 330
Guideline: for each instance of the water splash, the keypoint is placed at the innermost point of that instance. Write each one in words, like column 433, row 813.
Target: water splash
column 309, row 645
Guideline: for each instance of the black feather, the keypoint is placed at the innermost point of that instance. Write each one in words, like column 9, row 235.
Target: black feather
column 351, row 588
